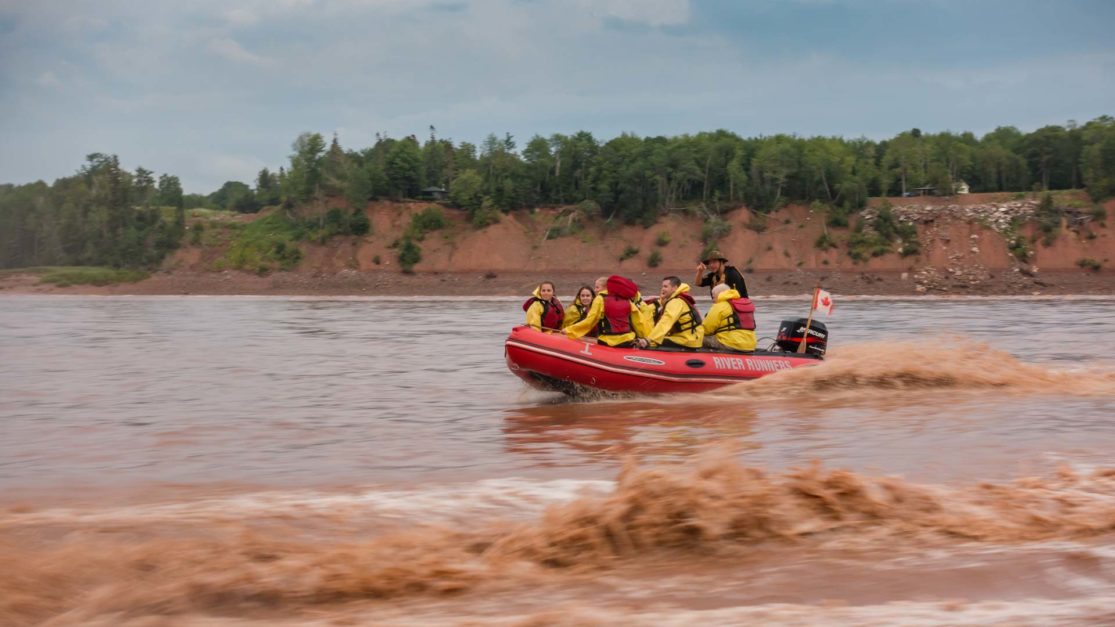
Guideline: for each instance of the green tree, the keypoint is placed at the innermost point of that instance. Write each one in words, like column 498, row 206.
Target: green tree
column 409, row 255
column 774, row 163
column 170, row 191
column 144, row 183
column 539, row 169
column 905, row 160
column 334, row 169
column 467, row 190
column 230, row 194
column 436, row 160
column 359, row 189
column 267, row 188
column 1098, row 157
column 404, row 169
column 1045, row 150
column 305, row 174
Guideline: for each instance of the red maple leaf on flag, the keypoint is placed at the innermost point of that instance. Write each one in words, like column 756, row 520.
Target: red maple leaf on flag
column 823, row 302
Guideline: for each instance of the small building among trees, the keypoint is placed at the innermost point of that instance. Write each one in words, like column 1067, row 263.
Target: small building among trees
column 435, row 193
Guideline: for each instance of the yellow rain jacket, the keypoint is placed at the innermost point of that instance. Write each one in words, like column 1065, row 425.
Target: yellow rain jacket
column 534, row 312
column 575, row 313
column 677, row 323
column 720, row 318
column 596, row 314
column 587, row 323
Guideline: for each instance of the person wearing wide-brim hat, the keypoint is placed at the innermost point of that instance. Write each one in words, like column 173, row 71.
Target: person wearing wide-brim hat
column 719, row 272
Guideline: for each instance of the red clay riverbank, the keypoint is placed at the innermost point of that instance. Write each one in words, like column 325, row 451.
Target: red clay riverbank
column 963, row 249
column 388, row 283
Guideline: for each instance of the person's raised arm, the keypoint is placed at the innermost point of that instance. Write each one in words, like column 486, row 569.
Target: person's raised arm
column 701, row 267
column 588, row 323
column 670, row 314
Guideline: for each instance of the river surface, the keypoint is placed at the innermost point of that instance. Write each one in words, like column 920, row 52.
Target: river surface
column 244, row 460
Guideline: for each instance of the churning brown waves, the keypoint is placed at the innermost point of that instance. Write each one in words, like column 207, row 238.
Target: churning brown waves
column 929, row 364
column 83, row 571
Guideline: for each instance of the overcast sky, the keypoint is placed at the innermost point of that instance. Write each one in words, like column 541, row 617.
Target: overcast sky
column 214, row 90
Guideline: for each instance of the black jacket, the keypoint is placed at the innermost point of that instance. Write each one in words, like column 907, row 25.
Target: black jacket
column 731, row 276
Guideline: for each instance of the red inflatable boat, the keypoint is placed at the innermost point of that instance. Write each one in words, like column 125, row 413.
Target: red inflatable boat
column 553, row 361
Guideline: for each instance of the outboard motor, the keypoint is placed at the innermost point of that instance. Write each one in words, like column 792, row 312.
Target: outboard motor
column 790, row 333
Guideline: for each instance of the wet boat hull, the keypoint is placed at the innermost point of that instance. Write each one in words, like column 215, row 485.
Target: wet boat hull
column 553, row 361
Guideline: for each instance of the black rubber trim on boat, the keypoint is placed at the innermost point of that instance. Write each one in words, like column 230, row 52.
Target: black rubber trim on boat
column 695, row 363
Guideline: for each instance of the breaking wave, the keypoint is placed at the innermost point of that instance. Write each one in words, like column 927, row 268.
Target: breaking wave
column 929, row 364
column 88, row 568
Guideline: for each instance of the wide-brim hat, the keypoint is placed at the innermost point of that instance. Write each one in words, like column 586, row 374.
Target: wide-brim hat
column 714, row 254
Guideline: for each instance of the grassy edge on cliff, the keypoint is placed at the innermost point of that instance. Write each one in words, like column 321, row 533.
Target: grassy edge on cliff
column 65, row 276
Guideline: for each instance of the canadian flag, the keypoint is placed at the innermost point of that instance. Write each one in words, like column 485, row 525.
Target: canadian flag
column 822, row 301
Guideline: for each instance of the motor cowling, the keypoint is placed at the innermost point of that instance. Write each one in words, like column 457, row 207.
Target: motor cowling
column 790, row 333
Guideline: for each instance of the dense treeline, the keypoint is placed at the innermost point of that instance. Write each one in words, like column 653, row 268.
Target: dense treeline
column 635, row 179
column 101, row 216
column 105, row 215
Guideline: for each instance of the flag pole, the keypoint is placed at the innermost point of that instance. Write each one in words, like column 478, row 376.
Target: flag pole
column 809, row 320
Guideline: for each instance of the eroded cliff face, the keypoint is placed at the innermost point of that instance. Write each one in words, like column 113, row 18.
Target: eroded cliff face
column 961, row 241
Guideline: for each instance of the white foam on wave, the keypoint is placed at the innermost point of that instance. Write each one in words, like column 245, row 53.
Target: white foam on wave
column 958, row 612
column 512, row 498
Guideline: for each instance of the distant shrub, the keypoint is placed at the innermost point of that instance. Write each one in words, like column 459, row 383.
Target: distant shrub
column 909, row 248
column 196, row 231
column 715, row 228
column 589, row 207
column 824, row 242
column 486, row 215
column 1087, row 263
column 1048, row 218
column 838, row 217
column 758, row 222
column 431, row 218
column 376, row 260
column 568, row 222
column 629, row 252
column 654, row 259
column 409, row 255
column 864, row 244
column 663, row 238
column 266, row 243
column 358, row 223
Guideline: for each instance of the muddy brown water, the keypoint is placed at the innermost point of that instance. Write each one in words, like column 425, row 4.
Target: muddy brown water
column 211, row 460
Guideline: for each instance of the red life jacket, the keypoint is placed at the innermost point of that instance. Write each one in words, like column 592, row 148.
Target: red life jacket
column 552, row 312
column 743, row 316
column 617, row 315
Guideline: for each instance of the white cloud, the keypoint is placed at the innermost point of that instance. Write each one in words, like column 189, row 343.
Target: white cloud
column 223, row 167
column 166, row 85
column 84, row 23
column 48, row 79
column 230, row 49
column 241, row 17
column 649, row 12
